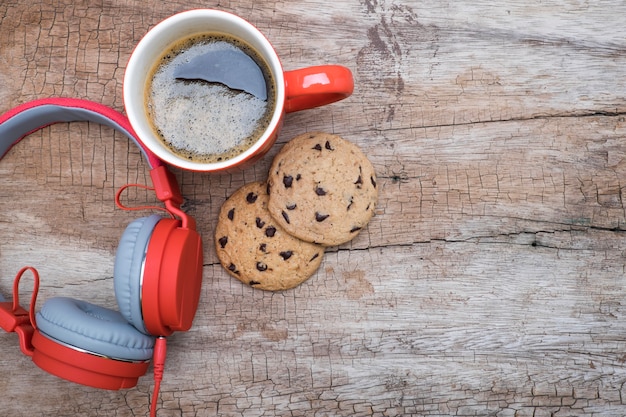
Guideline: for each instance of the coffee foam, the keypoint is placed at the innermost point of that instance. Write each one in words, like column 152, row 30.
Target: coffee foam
column 206, row 122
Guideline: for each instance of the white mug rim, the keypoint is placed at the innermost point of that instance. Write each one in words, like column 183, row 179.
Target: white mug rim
column 162, row 33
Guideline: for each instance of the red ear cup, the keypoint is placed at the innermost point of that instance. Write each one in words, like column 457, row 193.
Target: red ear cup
column 172, row 278
column 83, row 367
column 89, row 344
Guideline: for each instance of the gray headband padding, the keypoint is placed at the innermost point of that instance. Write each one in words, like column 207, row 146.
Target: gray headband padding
column 36, row 117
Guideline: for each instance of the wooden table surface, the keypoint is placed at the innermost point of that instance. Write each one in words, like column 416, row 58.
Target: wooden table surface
column 490, row 281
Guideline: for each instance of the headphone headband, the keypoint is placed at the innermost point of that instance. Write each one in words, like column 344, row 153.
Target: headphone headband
column 31, row 116
column 37, row 114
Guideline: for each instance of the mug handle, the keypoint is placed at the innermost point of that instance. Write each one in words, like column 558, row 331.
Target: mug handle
column 316, row 86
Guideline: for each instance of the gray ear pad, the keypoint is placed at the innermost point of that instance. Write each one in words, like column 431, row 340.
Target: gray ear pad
column 94, row 329
column 127, row 272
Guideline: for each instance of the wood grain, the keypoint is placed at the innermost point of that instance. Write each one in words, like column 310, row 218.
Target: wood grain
column 490, row 281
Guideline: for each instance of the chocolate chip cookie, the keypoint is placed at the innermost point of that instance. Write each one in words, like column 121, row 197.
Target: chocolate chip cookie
column 255, row 249
column 322, row 189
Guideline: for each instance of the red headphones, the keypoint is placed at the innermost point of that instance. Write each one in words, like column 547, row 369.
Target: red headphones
column 157, row 276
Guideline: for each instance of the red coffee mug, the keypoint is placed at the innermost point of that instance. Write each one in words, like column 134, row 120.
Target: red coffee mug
column 295, row 90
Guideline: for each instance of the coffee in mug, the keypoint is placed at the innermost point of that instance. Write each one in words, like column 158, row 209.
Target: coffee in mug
column 210, row 97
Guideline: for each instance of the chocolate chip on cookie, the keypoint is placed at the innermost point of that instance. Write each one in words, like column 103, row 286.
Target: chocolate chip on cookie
column 255, row 249
column 322, row 189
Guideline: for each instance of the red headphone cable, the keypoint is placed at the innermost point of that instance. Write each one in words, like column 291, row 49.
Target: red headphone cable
column 160, row 352
column 119, row 204
column 14, row 318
